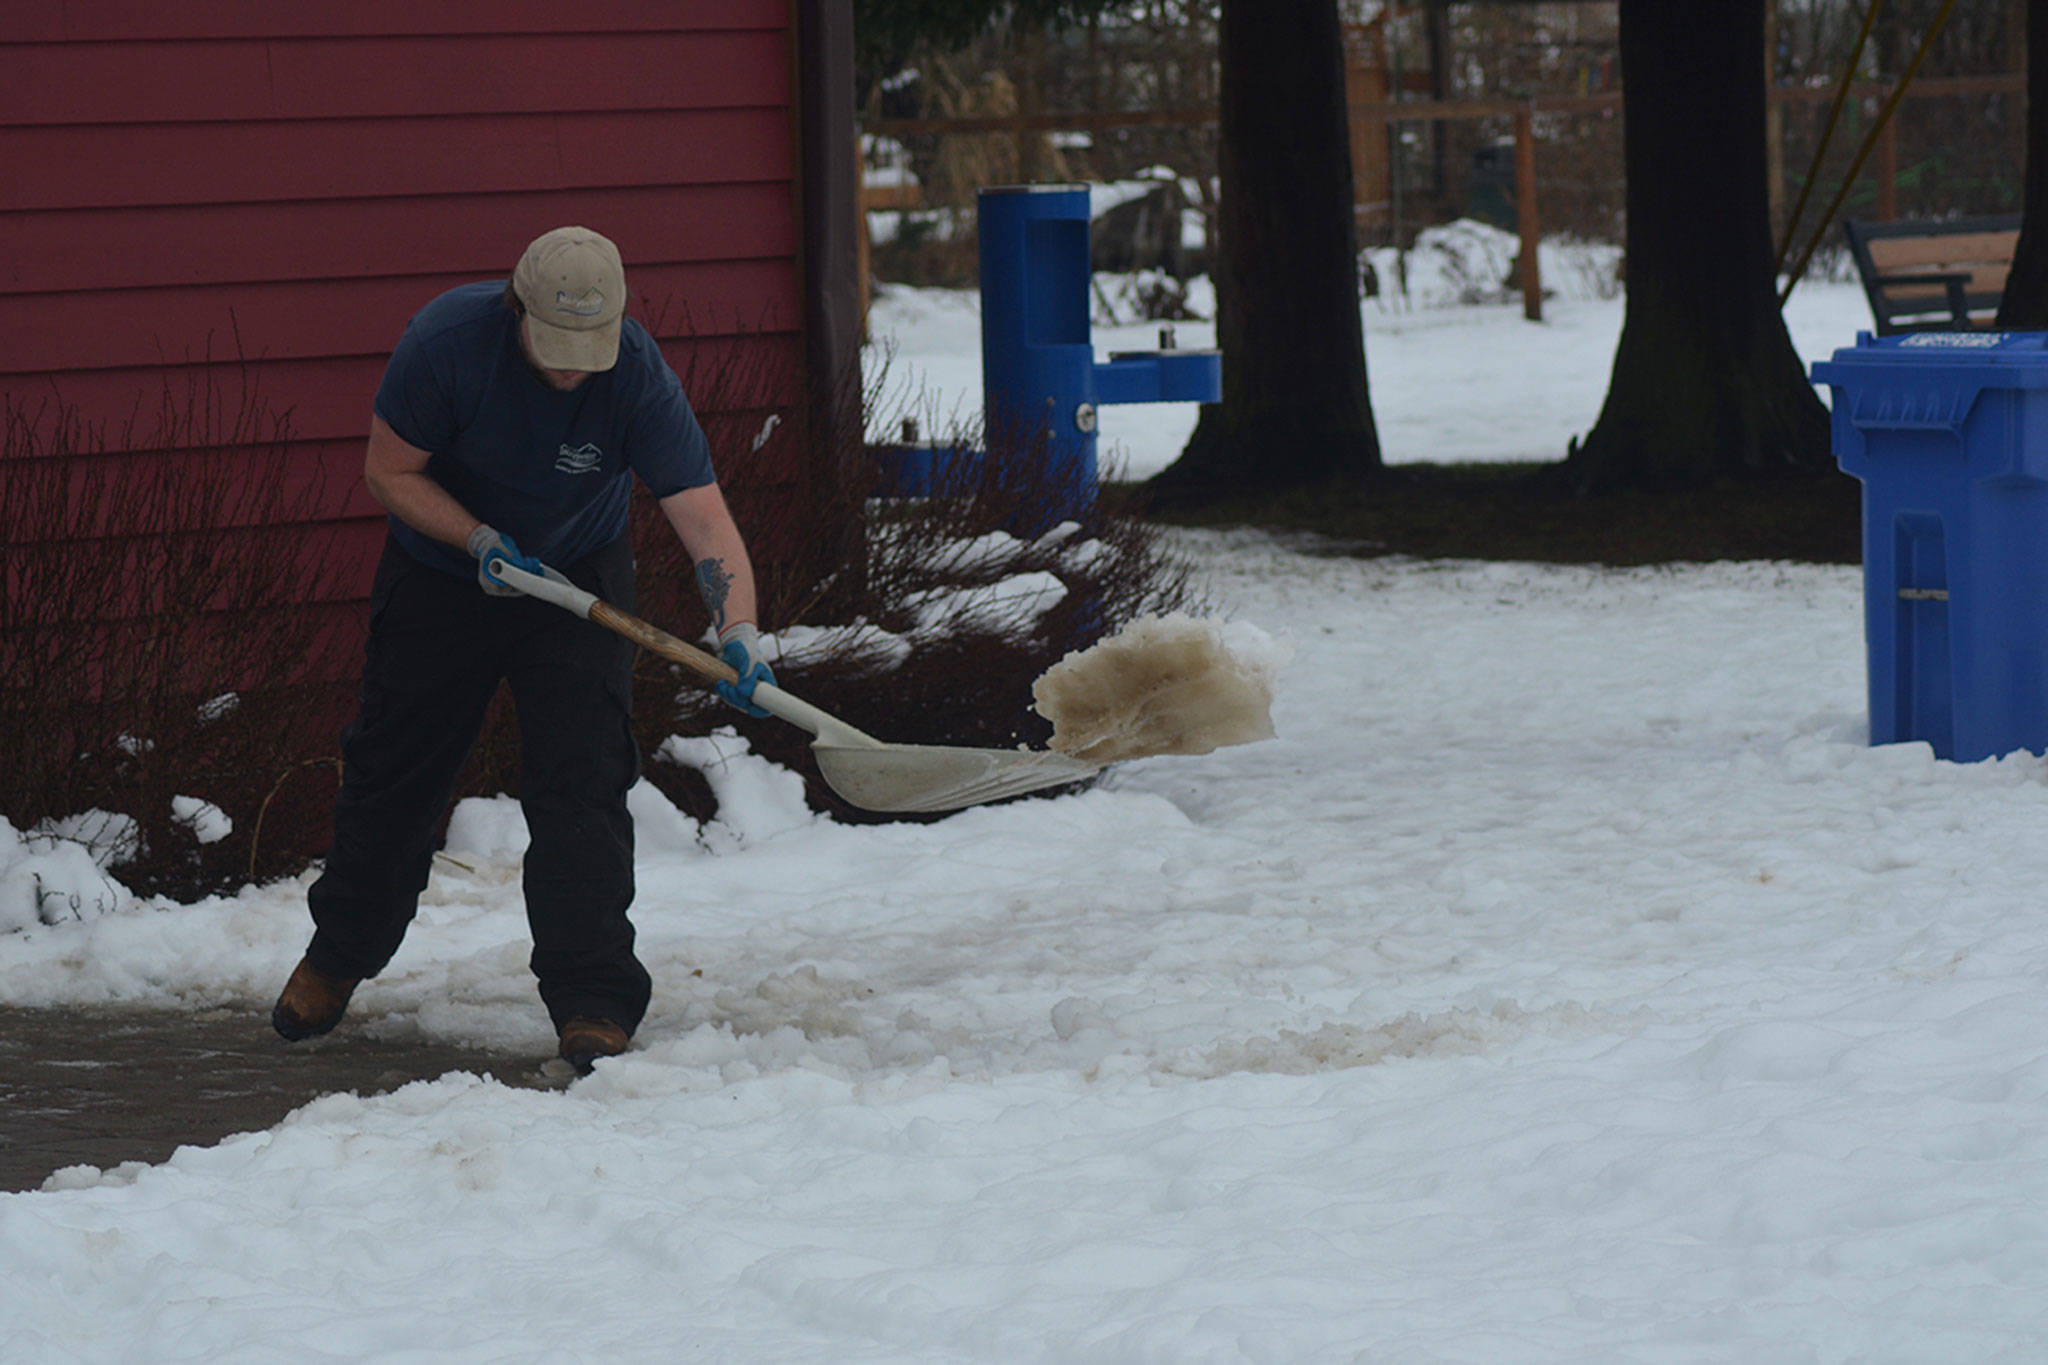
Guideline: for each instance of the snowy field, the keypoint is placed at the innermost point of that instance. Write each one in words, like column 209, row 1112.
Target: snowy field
column 1567, row 982
column 1452, row 382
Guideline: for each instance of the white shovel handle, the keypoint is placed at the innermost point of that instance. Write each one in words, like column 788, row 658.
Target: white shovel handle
column 561, row 592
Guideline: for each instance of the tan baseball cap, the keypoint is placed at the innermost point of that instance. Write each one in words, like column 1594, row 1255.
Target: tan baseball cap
column 574, row 289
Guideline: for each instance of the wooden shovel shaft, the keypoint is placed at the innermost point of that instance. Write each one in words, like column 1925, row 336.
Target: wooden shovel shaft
column 653, row 637
column 590, row 607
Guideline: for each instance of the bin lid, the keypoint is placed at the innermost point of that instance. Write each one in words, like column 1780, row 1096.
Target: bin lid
column 2004, row 360
column 1950, row 348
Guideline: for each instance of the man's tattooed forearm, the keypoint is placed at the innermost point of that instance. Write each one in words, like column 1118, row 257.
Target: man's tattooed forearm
column 715, row 583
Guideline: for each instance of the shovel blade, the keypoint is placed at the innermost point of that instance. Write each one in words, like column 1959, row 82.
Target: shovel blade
column 931, row 777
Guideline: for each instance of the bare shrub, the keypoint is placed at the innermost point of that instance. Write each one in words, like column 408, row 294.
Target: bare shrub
column 166, row 629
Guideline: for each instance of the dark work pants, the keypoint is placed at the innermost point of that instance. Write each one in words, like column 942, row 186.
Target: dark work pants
column 438, row 647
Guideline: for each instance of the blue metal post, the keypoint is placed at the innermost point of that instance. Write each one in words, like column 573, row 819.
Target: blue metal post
column 1040, row 379
column 1041, row 384
column 1037, row 359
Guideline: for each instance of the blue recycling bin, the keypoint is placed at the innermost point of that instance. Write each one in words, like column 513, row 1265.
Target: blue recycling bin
column 1948, row 434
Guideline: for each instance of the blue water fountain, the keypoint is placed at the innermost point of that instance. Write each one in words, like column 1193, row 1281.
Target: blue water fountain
column 1041, row 381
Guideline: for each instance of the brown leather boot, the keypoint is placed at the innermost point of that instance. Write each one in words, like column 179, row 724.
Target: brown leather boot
column 584, row 1040
column 311, row 1004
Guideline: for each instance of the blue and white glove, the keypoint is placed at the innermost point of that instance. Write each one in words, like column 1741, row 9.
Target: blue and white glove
column 487, row 544
column 740, row 646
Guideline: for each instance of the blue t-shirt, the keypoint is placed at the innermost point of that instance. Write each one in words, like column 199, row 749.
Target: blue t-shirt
column 551, row 469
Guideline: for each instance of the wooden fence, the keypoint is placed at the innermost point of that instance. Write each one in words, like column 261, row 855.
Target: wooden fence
column 1371, row 120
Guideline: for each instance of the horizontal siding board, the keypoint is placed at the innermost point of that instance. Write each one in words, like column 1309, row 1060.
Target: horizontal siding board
column 753, row 374
column 358, row 542
column 328, row 398
column 740, row 298
column 46, row 83
column 240, row 163
column 322, row 481
column 145, row 492
column 207, row 244
column 93, row 20
column 389, row 77
column 121, row 409
column 127, row 328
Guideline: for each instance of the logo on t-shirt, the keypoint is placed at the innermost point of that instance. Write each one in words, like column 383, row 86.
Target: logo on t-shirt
column 582, row 459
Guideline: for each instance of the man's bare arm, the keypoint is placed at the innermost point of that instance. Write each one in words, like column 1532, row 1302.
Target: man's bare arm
column 725, row 576
column 396, row 474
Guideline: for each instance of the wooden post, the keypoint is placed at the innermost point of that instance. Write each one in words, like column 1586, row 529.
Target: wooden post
column 1525, row 213
column 1437, row 23
column 1391, row 132
column 1030, row 145
column 866, row 197
column 1365, row 82
column 1888, row 169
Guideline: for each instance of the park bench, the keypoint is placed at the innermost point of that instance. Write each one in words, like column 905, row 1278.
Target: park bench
column 1933, row 275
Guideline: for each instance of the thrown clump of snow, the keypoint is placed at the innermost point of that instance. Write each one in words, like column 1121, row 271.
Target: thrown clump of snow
column 1174, row 684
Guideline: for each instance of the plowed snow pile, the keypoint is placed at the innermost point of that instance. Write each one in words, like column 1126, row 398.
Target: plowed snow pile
column 1162, row 685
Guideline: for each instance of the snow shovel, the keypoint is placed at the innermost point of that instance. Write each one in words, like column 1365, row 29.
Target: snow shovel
column 865, row 771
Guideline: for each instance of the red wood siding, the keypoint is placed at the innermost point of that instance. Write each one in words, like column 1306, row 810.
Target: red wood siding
column 290, row 182
column 116, row 20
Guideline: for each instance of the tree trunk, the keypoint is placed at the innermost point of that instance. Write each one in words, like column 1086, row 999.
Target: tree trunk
column 1706, row 384
column 2025, row 305
column 1295, row 408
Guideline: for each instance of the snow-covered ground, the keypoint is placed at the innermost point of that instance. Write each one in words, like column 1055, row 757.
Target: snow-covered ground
column 1452, row 382
column 1568, row 981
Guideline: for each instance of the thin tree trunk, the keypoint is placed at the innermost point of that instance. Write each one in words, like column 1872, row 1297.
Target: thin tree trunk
column 2025, row 305
column 1295, row 406
column 1706, row 383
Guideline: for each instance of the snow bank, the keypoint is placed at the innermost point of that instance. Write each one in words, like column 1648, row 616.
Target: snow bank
column 47, row 878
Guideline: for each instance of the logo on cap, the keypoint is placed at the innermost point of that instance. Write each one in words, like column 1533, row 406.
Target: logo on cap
column 588, row 306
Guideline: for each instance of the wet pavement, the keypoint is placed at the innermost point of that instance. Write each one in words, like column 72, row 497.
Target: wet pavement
column 104, row 1086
